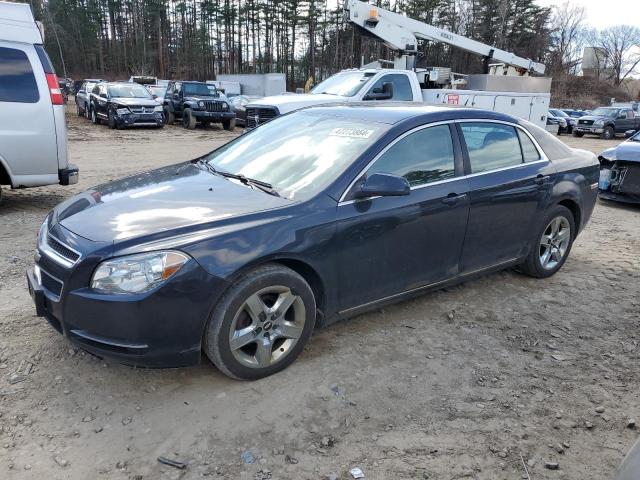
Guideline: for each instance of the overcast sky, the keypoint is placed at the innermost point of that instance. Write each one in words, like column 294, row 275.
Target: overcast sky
column 604, row 13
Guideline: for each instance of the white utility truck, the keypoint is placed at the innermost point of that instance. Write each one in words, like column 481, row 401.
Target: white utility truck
column 505, row 87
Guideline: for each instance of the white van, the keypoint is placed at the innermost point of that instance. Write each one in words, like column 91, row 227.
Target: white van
column 33, row 133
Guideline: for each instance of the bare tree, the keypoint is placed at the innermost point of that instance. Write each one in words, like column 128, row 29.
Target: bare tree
column 619, row 45
column 568, row 34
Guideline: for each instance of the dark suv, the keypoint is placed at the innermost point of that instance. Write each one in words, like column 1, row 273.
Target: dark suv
column 197, row 102
column 123, row 104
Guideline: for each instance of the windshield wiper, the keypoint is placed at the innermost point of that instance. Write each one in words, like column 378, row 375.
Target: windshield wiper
column 264, row 186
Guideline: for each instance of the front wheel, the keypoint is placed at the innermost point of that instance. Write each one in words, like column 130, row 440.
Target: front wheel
column 112, row 120
column 552, row 243
column 94, row 117
column 229, row 125
column 578, row 134
column 188, row 120
column 80, row 111
column 169, row 117
column 261, row 324
column 608, row 133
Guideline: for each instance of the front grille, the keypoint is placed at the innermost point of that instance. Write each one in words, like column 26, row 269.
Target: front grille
column 141, row 109
column 51, row 283
column 213, row 106
column 259, row 115
column 62, row 249
column 585, row 122
column 629, row 180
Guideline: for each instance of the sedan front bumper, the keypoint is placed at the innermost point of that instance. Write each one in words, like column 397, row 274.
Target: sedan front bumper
column 155, row 119
column 160, row 328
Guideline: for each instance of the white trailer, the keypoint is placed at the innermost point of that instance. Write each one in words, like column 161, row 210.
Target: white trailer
column 257, row 84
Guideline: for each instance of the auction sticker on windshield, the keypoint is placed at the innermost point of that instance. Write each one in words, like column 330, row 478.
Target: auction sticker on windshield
column 351, row 132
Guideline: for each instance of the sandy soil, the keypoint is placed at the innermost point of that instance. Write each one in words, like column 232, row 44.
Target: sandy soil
column 469, row 382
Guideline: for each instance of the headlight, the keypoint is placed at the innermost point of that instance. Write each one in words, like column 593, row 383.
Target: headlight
column 598, row 123
column 157, row 108
column 225, row 106
column 122, row 111
column 137, row 273
column 201, row 104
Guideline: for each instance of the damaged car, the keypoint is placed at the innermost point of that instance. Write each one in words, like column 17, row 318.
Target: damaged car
column 313, row 217
column 124, row 105
column 620, row 171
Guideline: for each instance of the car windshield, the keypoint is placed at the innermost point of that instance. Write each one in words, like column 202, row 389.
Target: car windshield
column 604, row 112
column 345, row 84
column 158, row 91
column 298, row 154
column 199, row 89
column 129, row 91
column 559, row 113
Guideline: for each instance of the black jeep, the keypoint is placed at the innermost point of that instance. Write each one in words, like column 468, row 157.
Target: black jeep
column 197, row 102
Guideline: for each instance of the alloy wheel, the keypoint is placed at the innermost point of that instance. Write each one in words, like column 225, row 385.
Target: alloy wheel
column 267, row 326
column 554, row 243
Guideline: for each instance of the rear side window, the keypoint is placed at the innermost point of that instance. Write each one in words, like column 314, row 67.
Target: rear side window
column 17, row 81
column 553, row 148
column 491, row 146
column 421, row 157
column 529, row 150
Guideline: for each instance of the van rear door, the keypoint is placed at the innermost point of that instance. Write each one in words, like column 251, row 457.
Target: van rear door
column 29, row 147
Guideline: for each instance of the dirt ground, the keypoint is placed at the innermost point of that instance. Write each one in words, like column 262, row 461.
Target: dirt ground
column 474, row 382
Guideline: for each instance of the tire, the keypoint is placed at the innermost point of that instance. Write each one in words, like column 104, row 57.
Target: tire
column 229, row 125
column 94, row 117
column 112, row 121
column 80, row 111
column 534, row 265
column 608, row 133
column 86, row 111
column 578, row 134
column 169, row 117
column 267, row 284
column 188, row 120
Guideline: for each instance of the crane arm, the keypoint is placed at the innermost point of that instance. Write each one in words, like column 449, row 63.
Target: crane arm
column 402, row 33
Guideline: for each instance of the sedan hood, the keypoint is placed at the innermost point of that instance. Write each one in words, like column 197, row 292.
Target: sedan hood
column 288, row 103
column 161, row 200
column 143, row 102
column 627, row 151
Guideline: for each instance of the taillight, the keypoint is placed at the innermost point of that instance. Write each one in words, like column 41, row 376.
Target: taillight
column 54, row 89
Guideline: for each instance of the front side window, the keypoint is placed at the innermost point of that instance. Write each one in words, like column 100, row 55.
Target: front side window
column 401, row 86
column 298, row 154
column 17, row 82
column 421, row 157
column 345, row 84
column 491, row 146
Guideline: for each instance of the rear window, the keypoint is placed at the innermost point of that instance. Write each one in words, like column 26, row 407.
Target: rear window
column 553, row 148
column 17, row 81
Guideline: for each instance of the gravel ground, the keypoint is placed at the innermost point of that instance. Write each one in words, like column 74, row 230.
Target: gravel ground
column 469, row 382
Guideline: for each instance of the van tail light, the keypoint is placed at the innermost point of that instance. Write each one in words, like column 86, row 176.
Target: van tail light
column 54, row 89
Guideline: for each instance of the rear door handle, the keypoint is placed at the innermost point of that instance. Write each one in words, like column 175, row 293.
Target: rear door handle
column 453, row 198
column 542, row 179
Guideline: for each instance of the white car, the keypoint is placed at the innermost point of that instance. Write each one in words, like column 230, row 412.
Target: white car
column 33, row 133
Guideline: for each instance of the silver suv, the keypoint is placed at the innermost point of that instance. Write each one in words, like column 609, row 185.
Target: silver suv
column 33, row 133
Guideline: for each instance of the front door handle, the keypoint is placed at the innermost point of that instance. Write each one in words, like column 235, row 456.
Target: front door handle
column 453, row 198
column 542, row 179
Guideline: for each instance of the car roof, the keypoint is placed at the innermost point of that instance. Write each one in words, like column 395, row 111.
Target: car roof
column 394, row 112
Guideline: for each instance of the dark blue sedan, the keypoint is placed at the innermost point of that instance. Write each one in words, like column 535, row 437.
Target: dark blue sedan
column 313, row 217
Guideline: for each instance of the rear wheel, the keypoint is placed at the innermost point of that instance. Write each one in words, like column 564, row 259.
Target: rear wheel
column 169, row 117
column 261, row 324
column 552, row 243
column 94, row 117
column 80, row 111
column 608, row 133
column 229, row 125
column 188, row 120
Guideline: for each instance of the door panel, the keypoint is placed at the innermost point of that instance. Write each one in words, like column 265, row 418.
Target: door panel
column 389, row 245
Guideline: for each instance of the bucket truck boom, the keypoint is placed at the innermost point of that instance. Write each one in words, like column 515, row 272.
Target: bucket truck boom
column 401, row 34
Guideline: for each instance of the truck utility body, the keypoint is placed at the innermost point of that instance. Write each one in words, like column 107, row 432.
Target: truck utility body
column 33, row 135
column 508, row 89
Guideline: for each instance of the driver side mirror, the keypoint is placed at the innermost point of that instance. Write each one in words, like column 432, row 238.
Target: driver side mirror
column 384, row 93
column 383, row 185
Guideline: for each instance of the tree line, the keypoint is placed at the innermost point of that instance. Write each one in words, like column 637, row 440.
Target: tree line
column 198, row 39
